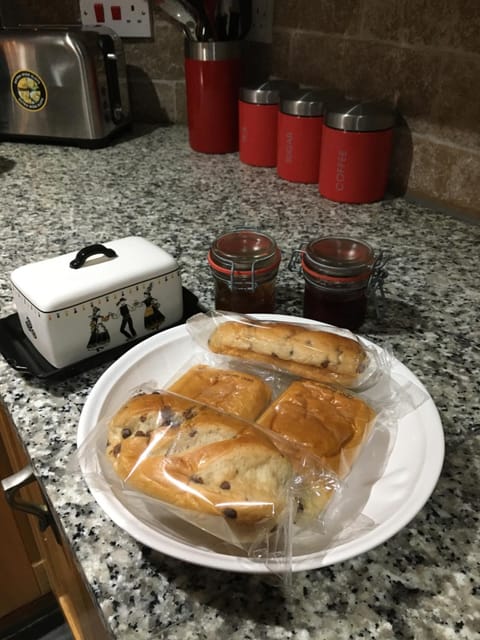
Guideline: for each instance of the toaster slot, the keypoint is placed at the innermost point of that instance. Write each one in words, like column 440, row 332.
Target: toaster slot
column 111, row 70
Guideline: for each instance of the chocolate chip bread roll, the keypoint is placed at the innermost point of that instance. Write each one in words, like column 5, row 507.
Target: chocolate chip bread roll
column 235, row 392
column 301, row 350
column 196, row 458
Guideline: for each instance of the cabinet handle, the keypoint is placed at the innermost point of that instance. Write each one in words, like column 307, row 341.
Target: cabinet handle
column 12, row 484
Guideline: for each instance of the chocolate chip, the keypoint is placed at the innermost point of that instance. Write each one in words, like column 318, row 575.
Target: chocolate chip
column 193, row 433
column 140, row 434
column 230, row 513
column 325, row 364
column 116, row 449
column 126, row 433
column 196, row 479
column 143, row 418
column 189, row 413
column 169, row 419
column 225, row 485
column 166, row 414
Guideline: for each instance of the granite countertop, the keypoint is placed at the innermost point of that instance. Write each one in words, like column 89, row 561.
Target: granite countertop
column 423, row 582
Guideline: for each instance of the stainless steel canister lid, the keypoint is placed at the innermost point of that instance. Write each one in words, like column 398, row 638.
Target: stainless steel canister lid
column 268, row 92
column 306, row 102
column 212, row 51
column 352, row 115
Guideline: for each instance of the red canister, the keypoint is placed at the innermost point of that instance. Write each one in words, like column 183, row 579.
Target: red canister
column 212, row 82
column 258, row 120
column 356, row 151
column 299, row 135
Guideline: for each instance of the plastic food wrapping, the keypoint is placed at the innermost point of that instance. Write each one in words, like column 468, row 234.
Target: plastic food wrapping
column 248, row 453
column 235, row 480
column 325, row 354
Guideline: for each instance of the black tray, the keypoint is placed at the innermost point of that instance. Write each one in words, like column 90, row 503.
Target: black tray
column 22, row 356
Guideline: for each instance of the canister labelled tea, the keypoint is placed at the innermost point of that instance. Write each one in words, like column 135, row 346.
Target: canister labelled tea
column 244, row 264
column 258, row 118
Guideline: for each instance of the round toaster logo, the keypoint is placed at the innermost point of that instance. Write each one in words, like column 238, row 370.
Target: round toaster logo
column 29, row 90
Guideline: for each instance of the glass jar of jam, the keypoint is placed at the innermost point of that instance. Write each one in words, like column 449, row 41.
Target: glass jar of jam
column 244, row 264
column 337, row 273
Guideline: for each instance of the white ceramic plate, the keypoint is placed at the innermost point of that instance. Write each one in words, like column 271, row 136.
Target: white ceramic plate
column 388, row 486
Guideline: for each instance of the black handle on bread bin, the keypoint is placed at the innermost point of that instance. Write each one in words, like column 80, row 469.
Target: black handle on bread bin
column 89, row 251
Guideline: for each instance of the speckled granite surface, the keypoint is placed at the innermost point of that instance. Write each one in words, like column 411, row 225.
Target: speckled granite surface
column 424, row 582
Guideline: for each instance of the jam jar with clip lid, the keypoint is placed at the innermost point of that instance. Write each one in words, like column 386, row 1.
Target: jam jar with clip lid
column 339, row 273
column 244, row 264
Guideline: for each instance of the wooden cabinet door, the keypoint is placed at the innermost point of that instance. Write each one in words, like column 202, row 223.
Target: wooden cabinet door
column 63, row 573
column 23, row 572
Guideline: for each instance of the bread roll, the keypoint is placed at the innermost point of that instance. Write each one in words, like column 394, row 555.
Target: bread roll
column 194, row 457
column 298, row 349
column 324, row 420
column 235, row 392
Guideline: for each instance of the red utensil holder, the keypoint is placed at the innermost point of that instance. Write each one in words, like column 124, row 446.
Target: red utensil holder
column 212, row 79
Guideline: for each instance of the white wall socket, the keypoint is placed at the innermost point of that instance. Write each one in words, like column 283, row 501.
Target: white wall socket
column 132, row 19
column 262, row 21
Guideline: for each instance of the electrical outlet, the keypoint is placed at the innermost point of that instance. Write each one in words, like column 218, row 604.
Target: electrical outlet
column 132, row 19
column 262, row 21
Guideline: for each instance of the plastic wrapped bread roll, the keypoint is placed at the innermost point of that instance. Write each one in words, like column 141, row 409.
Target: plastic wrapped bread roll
column 329, row 422
column 196, row 458
column 236, row 392
column 299, row 349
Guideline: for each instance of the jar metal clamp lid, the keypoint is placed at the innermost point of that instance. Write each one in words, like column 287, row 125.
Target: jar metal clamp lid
column 343, row 262
column 244, row 257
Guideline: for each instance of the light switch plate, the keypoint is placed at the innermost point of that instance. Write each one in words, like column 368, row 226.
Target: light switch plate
column 132, row 19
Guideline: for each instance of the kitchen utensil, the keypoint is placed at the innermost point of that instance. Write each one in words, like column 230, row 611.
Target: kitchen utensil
column 258, row 121
column 80, row 304
column 356, row 149
column 233, row 18
column 205, row 27
column 209, row 7
column 184, row 14
column 63, row 85
column 212, row 78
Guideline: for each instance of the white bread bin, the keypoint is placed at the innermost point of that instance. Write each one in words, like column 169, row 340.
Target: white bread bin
column 75, row 305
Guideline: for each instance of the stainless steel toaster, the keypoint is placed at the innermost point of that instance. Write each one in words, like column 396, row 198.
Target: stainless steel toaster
column 62, row 85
